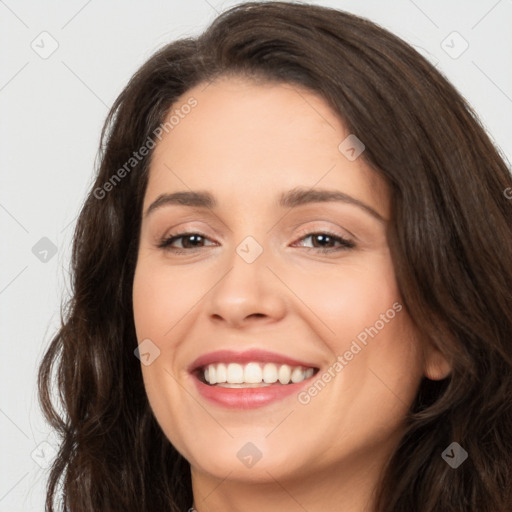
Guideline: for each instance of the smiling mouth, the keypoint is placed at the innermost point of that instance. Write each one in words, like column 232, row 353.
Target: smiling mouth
column 253, row 374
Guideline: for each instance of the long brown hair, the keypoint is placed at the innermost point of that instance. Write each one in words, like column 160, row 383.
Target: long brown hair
column 450, row 237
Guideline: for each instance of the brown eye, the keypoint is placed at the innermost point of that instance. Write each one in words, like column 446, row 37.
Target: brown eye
column 189, row 242
column 324, row 242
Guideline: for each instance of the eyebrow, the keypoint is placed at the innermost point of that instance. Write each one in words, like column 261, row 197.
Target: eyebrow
column 290, row 199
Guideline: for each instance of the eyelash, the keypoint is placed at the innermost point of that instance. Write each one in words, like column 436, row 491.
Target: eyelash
column 165, row 243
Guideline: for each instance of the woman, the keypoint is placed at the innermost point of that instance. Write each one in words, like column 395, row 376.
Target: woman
column 292, row 283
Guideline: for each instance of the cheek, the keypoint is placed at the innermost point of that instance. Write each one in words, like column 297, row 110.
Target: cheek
column 358, row 313
column 348, row 298
column 161, row 297
column 159, row 302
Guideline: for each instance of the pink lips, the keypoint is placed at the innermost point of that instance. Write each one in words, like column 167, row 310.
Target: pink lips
column 245, row 398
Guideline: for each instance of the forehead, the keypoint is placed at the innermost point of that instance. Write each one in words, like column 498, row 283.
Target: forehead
column 259, row 139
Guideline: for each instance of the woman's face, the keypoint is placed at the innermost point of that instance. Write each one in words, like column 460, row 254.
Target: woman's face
column 285, row 272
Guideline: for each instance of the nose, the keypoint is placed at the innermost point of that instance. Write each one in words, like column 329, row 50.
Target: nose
column 249, row 292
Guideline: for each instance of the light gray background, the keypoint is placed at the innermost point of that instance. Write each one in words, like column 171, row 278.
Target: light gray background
column 52, row 110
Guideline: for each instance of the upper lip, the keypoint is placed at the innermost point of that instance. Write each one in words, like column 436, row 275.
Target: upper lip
column 247, row 356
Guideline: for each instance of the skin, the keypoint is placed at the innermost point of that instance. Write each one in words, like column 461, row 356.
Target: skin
column 247, row 142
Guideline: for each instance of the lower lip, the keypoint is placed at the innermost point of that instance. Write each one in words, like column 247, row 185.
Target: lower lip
column 247, row 398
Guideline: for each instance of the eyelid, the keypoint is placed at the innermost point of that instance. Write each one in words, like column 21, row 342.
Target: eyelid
column 322, row 229
column 306, row 230
column 190, row 227
column 320, row 225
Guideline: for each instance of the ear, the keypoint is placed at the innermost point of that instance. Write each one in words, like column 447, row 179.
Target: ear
column 435, row 366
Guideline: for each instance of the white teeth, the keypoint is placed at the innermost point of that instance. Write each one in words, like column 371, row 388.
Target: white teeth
column 297, row 375
column 270, row 373
column 284, row 374
column 235, row 373
column 254, row 373
column 222, row 373
column 213, row 373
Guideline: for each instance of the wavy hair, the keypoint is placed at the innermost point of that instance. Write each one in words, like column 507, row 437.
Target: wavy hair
column 450, row 237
